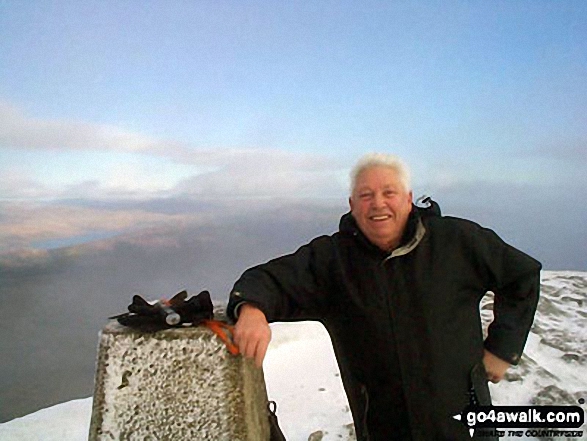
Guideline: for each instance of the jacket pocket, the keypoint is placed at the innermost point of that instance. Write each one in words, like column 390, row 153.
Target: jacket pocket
column 363, row 431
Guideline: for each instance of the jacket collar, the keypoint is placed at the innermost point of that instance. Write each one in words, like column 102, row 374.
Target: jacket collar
column 412, row 236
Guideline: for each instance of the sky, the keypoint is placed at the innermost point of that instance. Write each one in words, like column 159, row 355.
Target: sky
column 120, row 117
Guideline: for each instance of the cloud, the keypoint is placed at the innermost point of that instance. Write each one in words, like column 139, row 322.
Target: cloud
column 18, row 185
column 122, row 193
column 139, row 166
column 253, row 174
column 20, row 131
column 269, row 173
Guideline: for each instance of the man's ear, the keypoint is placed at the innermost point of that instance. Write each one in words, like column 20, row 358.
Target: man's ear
column 351, row 203
column 411, row 201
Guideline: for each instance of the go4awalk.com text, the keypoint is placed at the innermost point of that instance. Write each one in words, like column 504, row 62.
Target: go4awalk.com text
column 533, row 421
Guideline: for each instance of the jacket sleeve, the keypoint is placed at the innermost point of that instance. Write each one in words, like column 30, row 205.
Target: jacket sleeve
column 291, row 287
column 513, row 309
column 514, row 278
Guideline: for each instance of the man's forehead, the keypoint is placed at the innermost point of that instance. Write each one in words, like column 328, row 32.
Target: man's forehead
column 383, row 185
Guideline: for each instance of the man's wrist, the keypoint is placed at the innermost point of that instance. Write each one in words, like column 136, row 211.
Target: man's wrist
column 237, row 309
column 246, row 306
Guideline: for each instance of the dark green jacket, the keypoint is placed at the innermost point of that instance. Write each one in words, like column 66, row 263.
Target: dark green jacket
column 405, row 326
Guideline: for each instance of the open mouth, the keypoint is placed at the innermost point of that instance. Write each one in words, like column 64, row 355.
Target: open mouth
column 380, row 217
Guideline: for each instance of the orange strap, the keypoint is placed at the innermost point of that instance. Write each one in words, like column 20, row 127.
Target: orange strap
column 220, row 329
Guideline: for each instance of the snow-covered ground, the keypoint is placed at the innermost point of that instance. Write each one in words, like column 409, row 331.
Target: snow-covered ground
column 303, row 378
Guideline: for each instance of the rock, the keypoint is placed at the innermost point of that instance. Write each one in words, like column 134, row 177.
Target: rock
column 179, row 383
column 316, row 436
column 553, row 395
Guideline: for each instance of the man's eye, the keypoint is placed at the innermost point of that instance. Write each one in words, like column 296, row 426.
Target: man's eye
column 365, row 195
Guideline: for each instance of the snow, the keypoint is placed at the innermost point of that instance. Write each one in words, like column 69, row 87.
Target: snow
column 303, row 378
column 67, row 422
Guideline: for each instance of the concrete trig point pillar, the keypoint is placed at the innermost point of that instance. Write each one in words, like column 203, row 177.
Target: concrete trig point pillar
column 175, row 384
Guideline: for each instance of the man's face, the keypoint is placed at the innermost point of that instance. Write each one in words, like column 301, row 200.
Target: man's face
column 381, row 206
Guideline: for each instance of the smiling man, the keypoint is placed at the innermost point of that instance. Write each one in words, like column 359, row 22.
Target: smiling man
column 398, row 289
column 381, row 204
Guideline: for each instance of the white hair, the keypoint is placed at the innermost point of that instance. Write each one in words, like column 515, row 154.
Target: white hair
column 381, row 160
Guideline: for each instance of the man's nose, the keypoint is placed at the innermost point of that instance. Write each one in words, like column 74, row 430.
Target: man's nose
column 378, row 200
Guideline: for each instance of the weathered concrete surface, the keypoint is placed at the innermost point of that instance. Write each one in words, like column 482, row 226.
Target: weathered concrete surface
column 175, row 384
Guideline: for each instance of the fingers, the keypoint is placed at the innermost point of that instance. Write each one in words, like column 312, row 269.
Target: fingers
column 254, row 347
column 252, row 334
column 494, row 378
column 260, row 353
column 253, row 343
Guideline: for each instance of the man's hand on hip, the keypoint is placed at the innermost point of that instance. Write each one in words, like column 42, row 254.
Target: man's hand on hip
column 494, row 366
column 252, row 333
